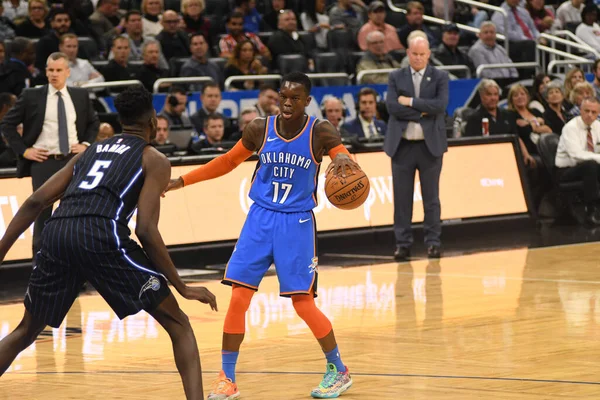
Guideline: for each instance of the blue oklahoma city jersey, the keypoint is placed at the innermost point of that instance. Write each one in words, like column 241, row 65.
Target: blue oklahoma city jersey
column 286, row 176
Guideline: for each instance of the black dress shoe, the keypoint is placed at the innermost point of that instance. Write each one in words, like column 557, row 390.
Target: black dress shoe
column 434, row 252
column 401, row 253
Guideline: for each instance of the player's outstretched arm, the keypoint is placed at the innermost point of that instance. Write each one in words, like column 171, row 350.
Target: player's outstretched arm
column 331, row 143
column 50, row 191
column 157, row 171
column 250, row 142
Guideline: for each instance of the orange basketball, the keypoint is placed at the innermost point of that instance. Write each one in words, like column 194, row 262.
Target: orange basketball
column 348, row 193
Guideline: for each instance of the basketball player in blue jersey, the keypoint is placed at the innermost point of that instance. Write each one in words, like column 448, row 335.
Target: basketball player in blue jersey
column 87, row 239
column 280, row 227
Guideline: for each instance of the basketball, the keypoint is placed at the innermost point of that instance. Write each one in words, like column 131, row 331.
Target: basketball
column 347, row 193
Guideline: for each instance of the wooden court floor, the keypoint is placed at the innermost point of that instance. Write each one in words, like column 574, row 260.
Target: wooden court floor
column 519, row 324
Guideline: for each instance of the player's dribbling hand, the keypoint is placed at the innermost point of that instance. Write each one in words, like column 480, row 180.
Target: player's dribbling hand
column 339, row 165
column 202, row 294
column 174, row 184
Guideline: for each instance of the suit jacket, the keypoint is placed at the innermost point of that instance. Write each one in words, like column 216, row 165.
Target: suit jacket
column 429, row 109
column 30, row 110
column 354, row 127
column 197, row 120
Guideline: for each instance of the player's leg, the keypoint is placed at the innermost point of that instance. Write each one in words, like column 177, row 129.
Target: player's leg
column 187, row 358
column 18, row 340
column 295, row 252
column 251, row 258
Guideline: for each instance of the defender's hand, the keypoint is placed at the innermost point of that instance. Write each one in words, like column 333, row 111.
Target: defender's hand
column 340, row 163
column 202, row 294
column 174, row 184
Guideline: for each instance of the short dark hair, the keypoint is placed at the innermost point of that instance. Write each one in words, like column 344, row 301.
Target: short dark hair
column 18, row 46
column 210, row 84
column 163, row 118
column 299, row 78
column 588, row 9
column 176, row 89
column 212, row 117
column 57, row 11
column 196, row 34
column 134, row 105
column 130, row 13
column 6, row 100
column 367, row 91
column 66, row 36
column 120, row 38
column 264, row 87
column 235, row 14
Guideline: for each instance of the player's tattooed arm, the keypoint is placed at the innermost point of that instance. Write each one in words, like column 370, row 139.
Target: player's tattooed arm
column 52, row 190
column 328, row 140
column 157, row 171
column 252, row 139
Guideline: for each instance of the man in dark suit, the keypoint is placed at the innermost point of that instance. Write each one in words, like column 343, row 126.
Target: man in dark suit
column 210, row 97
column 365, row 125
column 417, row 98
column 58, row 122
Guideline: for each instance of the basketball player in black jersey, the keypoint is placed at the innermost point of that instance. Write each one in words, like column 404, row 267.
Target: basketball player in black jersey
column 87, row 239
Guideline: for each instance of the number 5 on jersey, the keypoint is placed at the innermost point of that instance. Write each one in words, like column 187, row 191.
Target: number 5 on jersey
column 97, row 173
column 285, row 187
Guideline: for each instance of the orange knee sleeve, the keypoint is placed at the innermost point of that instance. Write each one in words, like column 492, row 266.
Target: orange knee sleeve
column 235, row 320
column 307, row 310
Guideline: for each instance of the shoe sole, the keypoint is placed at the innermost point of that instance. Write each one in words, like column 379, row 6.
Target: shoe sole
column 233, row 396
column 336, row 395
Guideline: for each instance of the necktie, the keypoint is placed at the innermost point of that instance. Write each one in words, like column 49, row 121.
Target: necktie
column 590, row 140
column 63, row 135
column 417, row 83
column 372, row 132
column 524, row 27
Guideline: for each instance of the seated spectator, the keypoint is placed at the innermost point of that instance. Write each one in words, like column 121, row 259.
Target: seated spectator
column 235, row 27
column 252, row 19
column 334, row 111
column 316, row 21
column 569, row 13
column 60, row 22
column 271, row 17
column 520, row 24
column 150, row 71
column 538, row 102
column 34, row 26
column 246, row 116
column 448, row 52
column 105, row 131
column 15, row 10
column 366, row 125
column 555, row 113
column 577, row 158
column 487, row 51
column 8, row 159
column 589, row 30
column 81, row 70
column 501, row 121
column 162, row 131
column 15, row 75
column 581, row 91
column 174, row 109
column 135, row 30
column 572, row 78
column 7, row 28
column 377, row 23
column 210, row 97
column 174, row 42
column 213, row 133
column 243, row 61
column 376, row 57
column 268, row 98
column 542, row 17
column 152, row 10
column 530, row 122
column 194, row 19
column 199, row 65
column 118, row 69
column 287, row 40
column 414, row 22
column 105, row 22
column 348, row 14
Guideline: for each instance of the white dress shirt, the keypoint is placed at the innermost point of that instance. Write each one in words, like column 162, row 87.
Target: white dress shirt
column 80, row 72
column 572, row 146
column 48, row 139
column 365, row 127
column 414, row 131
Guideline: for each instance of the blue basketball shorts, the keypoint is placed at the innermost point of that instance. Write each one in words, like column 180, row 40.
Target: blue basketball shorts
column 288, row 240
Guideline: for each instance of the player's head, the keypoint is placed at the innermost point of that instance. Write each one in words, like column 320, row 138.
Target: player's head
column 294, row 95
column 136, row 111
